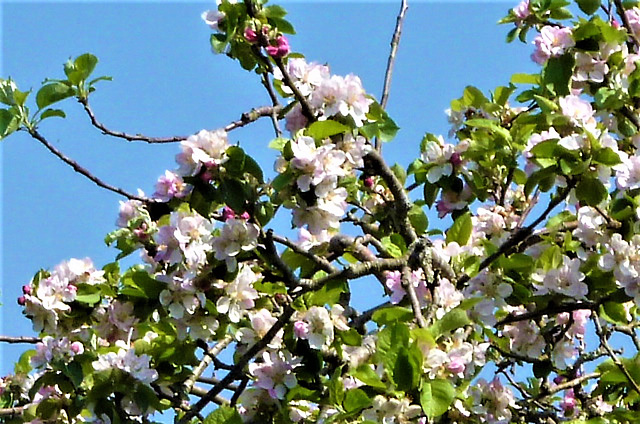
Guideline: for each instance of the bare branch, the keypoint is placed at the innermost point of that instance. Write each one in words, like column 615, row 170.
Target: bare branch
column 120, row 134
column 400, row 198
column 319, row 260
column 572, row 383
column 395, row 42
column 12, row 412
column 604, row 343
column 552, row 309
column 207, row 358
column 415, row 303
column 520, row 235
column 19, row 339
column 79, row 169
column 253, row 115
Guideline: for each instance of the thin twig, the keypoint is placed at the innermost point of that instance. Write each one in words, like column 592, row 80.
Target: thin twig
column 291, row 280
column 79, row 169
column 519, row 236
column 201, row 391
column 572, row 383
column 413, row 297
column 206, row 360
column 19, row 339
column 395, row 42
column 604, row 343
column 266, row 82
column 252, row 116
column 552, row 309
column 621, row 12
column 120, row 134
column 12, row 412
column 319, row 260
column 402, row 202
column 237, row 370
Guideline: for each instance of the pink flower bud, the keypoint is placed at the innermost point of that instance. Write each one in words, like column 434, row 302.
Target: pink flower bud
column 245, row 215
column 301, row 329
column 615, row 24
column 26, row 289
column 558, row 379
column 22, row 300
column 228, row 213
column 77, row 348
column 455, row 160
column 281, row 49
column 206, row 176
column 456, row 366
column 368, row 182
column 250, row 35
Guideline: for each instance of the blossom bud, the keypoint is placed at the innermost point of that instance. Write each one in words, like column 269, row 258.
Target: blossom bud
column 615, row 24
column 455, row 159
column 281, row 49
column 301, row 329
column 22, row 300
column 245, row 215
column 368, row 182
column 228, row 213
column 77, row 348
column 250, row 35
column 26, row 289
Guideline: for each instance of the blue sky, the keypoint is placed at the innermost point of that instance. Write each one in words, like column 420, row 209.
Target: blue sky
column 167, row 82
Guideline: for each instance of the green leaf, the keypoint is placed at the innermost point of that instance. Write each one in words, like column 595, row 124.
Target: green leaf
column 52, row 93
column 418, row 219
column 329, row 294
column 88, row 294
column 452, row 320
column 85, row 64
column 557, row 73
column 283, row 25
column 7, row 120
column 53, row 112
column 233, row 194
column 274, row 11
column 473, row 97
column 368, row 376
column 23, row 366
column 489, row 125
column 546, row 105
column 356, row 400
column 393, row 249
column 392, row 314
column 387, row 129
column 223, row 415
column 278, row 143
column 460, row 231
column 351, row 337
column 589, row 6
column 436, row 396
column 408, row 368
column 614, row 312
column 336, row 388
column 235, row 165
column 282, row 181
column 399, row 172
column 591, row 191
column 606, row 157
column 320, row 130
column 525, row 79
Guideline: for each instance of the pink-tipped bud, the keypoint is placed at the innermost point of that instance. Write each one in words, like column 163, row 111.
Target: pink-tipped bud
column 455, row 160
column 245, row 215
column 301, row 329
column 615, row 24
column 250, row 35
column 281, row 49
column 228, row 213
column 368, row 182
column 206, row 177
column 22, row 300
column 558, row 379
column 26, row 289
column 77, row 348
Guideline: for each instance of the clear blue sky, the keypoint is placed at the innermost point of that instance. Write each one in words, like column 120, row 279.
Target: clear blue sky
column 167, row 82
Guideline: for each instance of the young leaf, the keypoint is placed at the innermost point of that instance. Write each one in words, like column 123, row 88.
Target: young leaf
column 460, row 231
column 436, row 396
column 52, row 93
column 320, row 130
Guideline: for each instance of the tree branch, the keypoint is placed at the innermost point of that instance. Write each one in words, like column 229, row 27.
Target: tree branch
column 552, row 309
column 120, row 134
column 252, row 116
column 319, row 260
column 413, row 297
column 395, row 42
column 400, row 198
column 519, row 236
column 207, row 358
column 79, row 169
column 604, row 343
column 19, row 339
